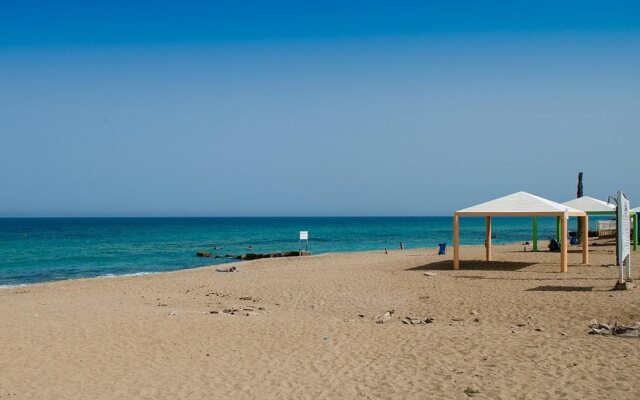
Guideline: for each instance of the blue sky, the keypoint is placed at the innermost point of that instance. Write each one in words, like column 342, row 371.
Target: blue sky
column 301, row 108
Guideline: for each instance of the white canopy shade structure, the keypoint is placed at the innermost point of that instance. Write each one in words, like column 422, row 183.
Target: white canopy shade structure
column 521, row 204
column 598, row 207
column 591, row 205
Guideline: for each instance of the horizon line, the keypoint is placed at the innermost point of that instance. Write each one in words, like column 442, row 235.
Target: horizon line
column 224, row 216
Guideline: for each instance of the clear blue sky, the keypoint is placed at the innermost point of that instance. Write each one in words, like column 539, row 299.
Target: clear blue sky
column 313, row 108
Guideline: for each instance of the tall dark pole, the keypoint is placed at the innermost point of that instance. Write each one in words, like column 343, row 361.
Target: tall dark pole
column 579, row 194
column 580, row 188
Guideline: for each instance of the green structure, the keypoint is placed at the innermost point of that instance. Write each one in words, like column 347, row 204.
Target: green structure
column 634, row 215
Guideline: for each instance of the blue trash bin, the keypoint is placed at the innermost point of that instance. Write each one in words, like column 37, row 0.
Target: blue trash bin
column 443, row 249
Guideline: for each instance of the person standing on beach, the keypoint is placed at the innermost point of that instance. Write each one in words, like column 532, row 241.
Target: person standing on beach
column 401, row 245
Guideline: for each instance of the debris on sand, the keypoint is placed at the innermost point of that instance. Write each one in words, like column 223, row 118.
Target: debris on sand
column 615, row 330
column 217, row 294
column 241, row 311
column 471, row 391
column 386, row 317
column 430, row 274
column 417, row 321
column 230, row 269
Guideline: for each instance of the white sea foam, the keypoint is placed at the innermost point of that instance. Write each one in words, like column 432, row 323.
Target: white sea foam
column 14, row 286
column 130, row 274
column 19, row 285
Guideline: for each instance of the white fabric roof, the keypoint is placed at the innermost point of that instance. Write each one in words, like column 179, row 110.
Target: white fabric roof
column 520, row 203
column 589, row 204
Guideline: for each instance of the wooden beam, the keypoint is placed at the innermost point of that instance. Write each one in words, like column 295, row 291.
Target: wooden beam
column 585, row 240
column 487, row 237
column 456, row 242
column 534, row 224
column 564, row 246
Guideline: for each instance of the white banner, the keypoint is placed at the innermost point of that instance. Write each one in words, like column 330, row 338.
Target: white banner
column 624, row 237
column 304, row 235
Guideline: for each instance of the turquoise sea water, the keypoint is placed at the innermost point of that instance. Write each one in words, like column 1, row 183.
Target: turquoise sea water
column 48, row 249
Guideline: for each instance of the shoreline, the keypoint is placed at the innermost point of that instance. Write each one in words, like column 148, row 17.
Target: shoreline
column 230, row 262
column 226, row 263
column 38, row 251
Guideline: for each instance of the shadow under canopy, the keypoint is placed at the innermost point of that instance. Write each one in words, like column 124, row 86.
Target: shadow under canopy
column 474, row 265
column 521, row 204
column 549, row 288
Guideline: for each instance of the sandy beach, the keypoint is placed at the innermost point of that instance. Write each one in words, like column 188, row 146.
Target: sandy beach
column 304, row 328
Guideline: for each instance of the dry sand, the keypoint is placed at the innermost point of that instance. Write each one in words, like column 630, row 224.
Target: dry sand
column 152, row 337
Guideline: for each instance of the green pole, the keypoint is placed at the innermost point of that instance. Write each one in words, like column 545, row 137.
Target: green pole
column 635, row 231
column 558, row 229
column 535, row 233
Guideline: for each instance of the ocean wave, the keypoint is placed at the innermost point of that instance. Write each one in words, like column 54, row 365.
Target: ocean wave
column 17, row 285
column 110, row 275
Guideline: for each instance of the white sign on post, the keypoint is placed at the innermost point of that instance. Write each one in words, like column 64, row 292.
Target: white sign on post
column 304, row 235
column 624, row 237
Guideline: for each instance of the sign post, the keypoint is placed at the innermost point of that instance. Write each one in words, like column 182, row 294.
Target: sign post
column 304, row 235
column 623, row 242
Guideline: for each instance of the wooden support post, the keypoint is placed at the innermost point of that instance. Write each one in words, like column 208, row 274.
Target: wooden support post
column 585, row 240
column 456, row 242
column 487, row 237
column 535, row 233
column 564, row 246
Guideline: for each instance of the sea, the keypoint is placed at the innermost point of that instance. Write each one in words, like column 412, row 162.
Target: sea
column 34, row 250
